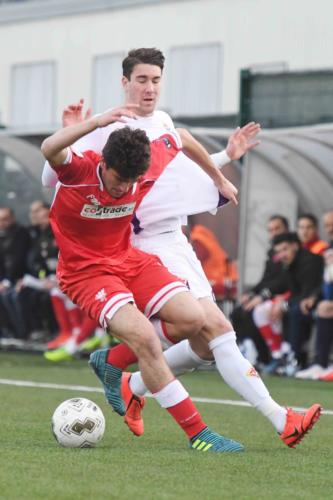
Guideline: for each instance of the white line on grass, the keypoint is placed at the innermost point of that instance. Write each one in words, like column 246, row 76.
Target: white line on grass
column 84, row 388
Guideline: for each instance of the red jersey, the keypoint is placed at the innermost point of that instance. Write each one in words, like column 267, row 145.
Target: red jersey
column 90, row 226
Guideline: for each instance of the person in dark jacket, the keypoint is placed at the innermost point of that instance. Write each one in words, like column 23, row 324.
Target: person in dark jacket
column 34, row 287
column 271, row 283
column 304, row 272
column 14, row 247
column 321, row 368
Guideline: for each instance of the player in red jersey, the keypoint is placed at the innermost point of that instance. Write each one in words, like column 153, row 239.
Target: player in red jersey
column 105, row 276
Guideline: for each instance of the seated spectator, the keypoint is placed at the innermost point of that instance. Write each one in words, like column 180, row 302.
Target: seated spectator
column 41, row 265
column 271, row 283
column 321, row 369
column 307, row 231
column 304, row 271
column 220, row 271
column 40, row 284
column 14, row 247
column 34, row 217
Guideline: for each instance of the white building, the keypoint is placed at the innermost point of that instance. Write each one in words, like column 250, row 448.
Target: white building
column 56, row 51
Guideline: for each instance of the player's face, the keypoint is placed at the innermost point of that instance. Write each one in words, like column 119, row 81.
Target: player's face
column 143, row 88
column 286, row 252
column 306, row 230
column 275, row 227
column 328, row 224
column 115, row 185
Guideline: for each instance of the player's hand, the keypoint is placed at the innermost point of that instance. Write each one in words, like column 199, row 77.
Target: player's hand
column 117, row 115
column 252, row 303
column 328, row 256
column 19, row 285
column 245, row 297
column 307, row 304
column 227, row 189
column 240, row 143
column 73, row 114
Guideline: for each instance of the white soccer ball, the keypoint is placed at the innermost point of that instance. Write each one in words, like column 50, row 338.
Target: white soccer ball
column 78, row 423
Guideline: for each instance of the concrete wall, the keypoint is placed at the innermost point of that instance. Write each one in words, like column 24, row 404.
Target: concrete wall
column 251, row 32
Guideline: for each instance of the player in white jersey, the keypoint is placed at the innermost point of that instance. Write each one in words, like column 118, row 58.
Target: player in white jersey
column 183, row 190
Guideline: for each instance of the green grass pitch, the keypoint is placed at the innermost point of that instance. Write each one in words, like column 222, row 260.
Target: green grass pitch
column 158, row 465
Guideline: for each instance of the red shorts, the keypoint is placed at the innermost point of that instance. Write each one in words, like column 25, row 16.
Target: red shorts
column 141, row 278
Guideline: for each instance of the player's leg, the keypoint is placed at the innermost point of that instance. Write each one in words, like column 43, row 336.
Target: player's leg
column 131, row 327
column 242, row 377
column 238, row 373
column 217, row 338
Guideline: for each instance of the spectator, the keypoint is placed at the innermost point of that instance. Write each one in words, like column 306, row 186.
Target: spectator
column 34, row 212
column 304, row 271
column 14, row 247
column 40, row 284
column 324, row 315
column 307, row 231
column 271, row 283
column 41, row 265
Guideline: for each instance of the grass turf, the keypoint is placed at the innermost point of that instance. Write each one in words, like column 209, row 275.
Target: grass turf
column 158, row 465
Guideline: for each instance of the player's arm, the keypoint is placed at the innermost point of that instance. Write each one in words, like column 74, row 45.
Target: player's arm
column 239, row 143
column 54, row 148
column 72, row 114
column 196, row 152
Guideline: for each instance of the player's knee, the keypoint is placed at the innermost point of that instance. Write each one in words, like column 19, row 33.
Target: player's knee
column 216, row 324
column 147, row 344
column 192, row 322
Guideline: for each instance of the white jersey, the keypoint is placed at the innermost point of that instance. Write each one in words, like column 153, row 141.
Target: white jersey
column 182, row 190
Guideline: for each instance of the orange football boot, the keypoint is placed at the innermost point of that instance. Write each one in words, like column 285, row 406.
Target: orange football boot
column 298, row 424
column 328, row 377
column 59, row 340
column 134, row 406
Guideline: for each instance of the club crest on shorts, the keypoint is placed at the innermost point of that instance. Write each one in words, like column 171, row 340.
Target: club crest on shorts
column 101, row 295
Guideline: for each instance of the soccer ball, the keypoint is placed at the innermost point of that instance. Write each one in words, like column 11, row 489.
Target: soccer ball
column 78, row 423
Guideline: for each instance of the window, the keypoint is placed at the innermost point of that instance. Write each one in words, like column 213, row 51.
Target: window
column 33, row 90
column 194, row 80
column 107, row 89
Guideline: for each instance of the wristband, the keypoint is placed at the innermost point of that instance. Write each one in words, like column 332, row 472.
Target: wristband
column 265, row 293
column 220, row 159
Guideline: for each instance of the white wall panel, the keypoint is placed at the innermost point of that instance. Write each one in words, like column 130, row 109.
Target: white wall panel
column 32, row 96
column 195, row 79
column 107, row 91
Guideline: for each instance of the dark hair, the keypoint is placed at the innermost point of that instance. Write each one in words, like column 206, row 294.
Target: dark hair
column 310, row 217
column 142, row 56
column 127, row 151
column 289, row 237
column 283, row 219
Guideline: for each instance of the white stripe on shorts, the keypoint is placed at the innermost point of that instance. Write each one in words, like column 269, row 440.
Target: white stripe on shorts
column 162, row 296
column 112, row 306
